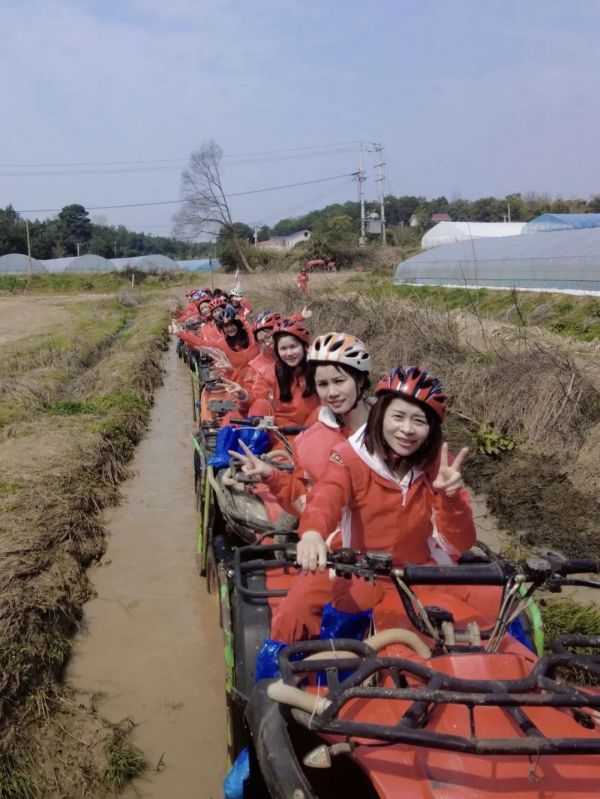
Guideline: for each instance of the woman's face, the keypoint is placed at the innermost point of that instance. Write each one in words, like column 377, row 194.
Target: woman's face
column 230, row 329
column 335, row 388
column 290, row 350
column 265, row 341
column 204, row 308
column 405, row 427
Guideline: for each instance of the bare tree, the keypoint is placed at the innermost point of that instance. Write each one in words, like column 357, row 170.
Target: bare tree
column 205, row 208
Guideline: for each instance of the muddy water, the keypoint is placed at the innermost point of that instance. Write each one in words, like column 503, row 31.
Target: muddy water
column 152, row 643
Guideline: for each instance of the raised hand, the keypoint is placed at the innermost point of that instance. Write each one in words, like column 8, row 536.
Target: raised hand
column 306, row 313
column 448, row 480
column 252, row 466
column 236, row 391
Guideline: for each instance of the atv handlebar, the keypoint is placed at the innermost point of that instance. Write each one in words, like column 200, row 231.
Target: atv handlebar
column 536, row 569
column 265, row 423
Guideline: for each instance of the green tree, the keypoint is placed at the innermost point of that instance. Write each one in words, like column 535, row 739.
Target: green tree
column 74, row 227
column 12, row 232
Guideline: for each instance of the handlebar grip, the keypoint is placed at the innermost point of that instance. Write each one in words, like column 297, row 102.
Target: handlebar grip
column 248, row 422
column 292, row 429
column 472, row 574
column 576, row 566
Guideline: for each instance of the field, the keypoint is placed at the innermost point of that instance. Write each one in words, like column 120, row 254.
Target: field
column 77, row 376
column 78, row 371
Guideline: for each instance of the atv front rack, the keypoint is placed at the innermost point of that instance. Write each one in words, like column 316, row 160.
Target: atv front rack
column 424, row 689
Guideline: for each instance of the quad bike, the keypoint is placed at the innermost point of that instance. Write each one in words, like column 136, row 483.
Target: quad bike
column 445, row 702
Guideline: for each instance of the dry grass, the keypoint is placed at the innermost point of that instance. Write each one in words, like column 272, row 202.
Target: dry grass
column 531, row 392
column 61, row 459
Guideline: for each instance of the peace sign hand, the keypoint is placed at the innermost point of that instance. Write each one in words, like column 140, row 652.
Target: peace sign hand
column 236, row 391
column 448, row 480
column 252, row 466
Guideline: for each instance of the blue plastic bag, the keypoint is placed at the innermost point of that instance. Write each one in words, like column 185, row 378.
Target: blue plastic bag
column 257, row 441
column 337, row 624
column 233, row 785
column 266, row 660
column 228, row 438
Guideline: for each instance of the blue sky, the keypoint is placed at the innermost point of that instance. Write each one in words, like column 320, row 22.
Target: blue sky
column 469, row 98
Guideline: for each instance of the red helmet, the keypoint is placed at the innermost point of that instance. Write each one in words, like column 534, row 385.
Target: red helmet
column 216, row 302
column 292, row 327
column 266, row 320
column 412, row 382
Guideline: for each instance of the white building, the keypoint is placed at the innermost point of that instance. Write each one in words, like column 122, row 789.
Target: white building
column 285, row 243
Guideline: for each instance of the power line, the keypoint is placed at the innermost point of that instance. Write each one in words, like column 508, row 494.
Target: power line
column 179, row 160
column 176, row 202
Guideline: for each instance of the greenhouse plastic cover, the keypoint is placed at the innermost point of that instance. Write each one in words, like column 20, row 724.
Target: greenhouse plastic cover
column 15, row 263
column 90, row 263
column 549, row 222
column 565, row 260
column 449, row 232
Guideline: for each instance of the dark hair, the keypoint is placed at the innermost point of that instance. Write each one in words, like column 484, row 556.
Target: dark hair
column 361, row 379
column 285, row 375
column 240, row 341
column 373, row 436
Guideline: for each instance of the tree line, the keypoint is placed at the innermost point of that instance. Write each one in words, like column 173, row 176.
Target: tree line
column 60, row 237
column 339, row 220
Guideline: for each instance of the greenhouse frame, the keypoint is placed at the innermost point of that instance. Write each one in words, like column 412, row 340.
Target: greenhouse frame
column 560, row 261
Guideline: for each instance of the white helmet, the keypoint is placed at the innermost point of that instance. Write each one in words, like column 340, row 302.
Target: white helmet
column 340, row 348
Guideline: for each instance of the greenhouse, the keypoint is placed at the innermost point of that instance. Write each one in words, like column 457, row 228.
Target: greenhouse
column 17, row 264
column 449, row 232
column 562, row 261
column 90, row 263
column 549, row 222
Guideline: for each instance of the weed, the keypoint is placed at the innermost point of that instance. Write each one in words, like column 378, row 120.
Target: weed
column 125, row 760
column 492, row 442
column 16, row 781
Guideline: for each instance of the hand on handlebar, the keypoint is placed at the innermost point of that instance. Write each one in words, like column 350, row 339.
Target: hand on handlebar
column 449, row 480
column 311, row 552
column 252, row 466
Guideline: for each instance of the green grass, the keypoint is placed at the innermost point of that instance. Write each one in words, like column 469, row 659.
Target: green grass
column 575, row 317
column 16, row 781
column 103, row 283
column 124, row 761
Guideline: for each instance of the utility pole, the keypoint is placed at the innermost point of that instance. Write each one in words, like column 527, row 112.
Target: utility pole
column 360, row 178
column 115, row 246
column 508, row 206
column 78, row 249
column 380, row 180
column 28, row 246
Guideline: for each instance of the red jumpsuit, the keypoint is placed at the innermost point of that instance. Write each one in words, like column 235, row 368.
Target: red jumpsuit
column 378, row 512
column 266, row 401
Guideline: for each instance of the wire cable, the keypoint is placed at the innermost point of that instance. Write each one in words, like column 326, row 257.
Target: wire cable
column 177, row 202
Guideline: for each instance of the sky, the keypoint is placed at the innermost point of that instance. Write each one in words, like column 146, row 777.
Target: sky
column 469, row 98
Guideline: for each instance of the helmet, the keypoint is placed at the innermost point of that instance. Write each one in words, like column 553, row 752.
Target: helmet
column 266, row 320
column 224, row 314
column 341, row 348
column 292, row 327
column 235, row 293
column 216, row 302
column 412, row 382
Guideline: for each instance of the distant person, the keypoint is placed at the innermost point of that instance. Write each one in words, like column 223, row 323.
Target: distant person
column 331, row 266
column 302, row 282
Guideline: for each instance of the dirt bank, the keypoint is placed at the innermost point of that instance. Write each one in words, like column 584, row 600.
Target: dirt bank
column 151, row 643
